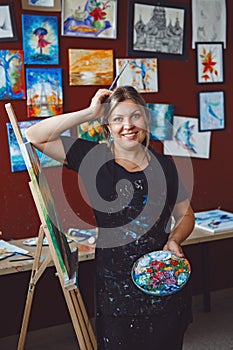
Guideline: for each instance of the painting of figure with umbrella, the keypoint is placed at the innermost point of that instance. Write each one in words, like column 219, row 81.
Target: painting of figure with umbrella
column 40, row 39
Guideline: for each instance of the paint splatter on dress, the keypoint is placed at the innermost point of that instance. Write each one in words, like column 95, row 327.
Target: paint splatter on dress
column 133, row 219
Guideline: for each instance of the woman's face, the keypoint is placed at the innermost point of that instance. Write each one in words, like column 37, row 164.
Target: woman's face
column 127, row 124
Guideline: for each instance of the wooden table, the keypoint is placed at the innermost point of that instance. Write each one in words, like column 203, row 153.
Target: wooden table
column 7, row 266
column 87, row 252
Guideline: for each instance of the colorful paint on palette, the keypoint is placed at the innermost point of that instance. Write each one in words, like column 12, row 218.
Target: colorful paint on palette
column 160, row 273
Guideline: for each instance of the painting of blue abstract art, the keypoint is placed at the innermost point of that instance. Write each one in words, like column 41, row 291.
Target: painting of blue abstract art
column 161, row 122
column 40, row 39
column 16, row 158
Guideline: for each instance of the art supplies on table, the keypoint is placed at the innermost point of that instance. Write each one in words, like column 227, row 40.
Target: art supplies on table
column 160, row 273
column 216, row 220
column 7, row 250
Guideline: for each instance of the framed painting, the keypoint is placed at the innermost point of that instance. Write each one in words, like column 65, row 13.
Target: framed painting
column 158, row 30
column 7, row 22
column 211, row 110
column 92, row 131
column 209, row 21
column 90, row 67
column 40, row 39
column 210, row 63
column 41, row 5
column 44, row 92
column 187, row 141
column 161, row 121
column 89, row 18
column 16, row 157
column 142, row 73
column 12, row 82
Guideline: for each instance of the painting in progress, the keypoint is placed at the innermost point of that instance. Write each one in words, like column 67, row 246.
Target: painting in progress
column 187, row 140
column 142, row 73
column 12, row 80
column 89, row 18
column 90, row 67
column 40, row 39
column 16, row 158
column 161, row 121
column 44, row 92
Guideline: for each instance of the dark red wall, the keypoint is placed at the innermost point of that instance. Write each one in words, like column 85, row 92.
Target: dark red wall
column 177, row 85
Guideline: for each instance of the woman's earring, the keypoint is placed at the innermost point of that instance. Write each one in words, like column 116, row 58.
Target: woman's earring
column 111, row 137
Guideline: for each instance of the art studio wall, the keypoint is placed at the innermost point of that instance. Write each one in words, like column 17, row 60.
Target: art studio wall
column 208, row 175
column 177, row 85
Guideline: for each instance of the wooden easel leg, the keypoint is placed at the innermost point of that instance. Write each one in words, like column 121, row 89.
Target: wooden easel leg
column 31, row 290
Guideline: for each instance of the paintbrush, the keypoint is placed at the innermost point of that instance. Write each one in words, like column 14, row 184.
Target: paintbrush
column 115, row 81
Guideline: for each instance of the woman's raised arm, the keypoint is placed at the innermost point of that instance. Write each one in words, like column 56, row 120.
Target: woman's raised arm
column 45, row 135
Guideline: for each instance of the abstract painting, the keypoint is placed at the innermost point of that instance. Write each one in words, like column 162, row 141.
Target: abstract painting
column 208, row 21
column 211, row 110
column 161, row 122
column 16, row 158
column 40, row 39
column 89, row 18
column 142, row 73
column 90, row 67
column 187, row 141
column 12, row 80
column 44, row 92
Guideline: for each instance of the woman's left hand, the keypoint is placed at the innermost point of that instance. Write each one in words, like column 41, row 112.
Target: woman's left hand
column 173, row 246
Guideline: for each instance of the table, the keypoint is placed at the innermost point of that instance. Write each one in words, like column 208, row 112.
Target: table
column 205, row 237
column 7, row 266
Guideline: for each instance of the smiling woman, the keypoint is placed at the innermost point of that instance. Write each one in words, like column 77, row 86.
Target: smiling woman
column 136, row 193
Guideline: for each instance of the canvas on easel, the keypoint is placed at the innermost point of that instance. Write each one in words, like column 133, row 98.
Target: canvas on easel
column 65, row 260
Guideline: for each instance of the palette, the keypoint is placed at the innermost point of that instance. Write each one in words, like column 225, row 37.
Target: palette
column 160, row 273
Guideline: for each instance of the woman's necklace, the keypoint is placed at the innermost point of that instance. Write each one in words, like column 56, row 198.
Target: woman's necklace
column 133, row 165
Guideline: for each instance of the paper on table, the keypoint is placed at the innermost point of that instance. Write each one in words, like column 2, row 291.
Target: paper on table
column 7, row 249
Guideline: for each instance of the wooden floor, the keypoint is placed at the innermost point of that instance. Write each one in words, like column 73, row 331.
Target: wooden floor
column 209, row 331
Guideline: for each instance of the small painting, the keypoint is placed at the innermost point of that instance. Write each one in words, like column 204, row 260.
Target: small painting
column 161, row 121
column 187, row 141
column 44, row 92
column 142, row 73
column 12, row 79
column 40, row 39
column 90, row 67
column 89, row 18
column 210, row 66
column 158, row 29
column 211, row 110
column 7, row 22
column 41, row 5
column 16, row 158
column 92, row 131
column 209, row 21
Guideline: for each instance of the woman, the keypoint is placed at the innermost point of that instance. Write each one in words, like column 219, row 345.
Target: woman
column 134, row 193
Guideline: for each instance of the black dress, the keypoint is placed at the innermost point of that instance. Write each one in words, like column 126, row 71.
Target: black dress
column 133, row 211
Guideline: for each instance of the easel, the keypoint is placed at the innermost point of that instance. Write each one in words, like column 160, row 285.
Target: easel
column 64, row 260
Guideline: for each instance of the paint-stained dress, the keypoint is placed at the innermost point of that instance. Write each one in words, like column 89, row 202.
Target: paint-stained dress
column 132, row 211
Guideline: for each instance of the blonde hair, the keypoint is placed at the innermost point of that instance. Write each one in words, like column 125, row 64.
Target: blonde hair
column 121, row 94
